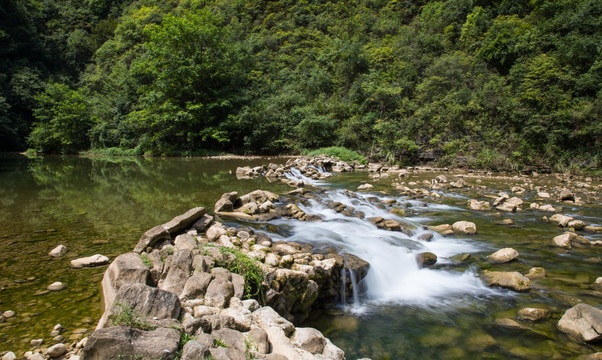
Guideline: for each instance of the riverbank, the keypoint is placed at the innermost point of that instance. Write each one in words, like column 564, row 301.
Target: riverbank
column 410, row 185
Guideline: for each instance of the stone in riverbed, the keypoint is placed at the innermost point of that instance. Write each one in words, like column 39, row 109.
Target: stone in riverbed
column 536, row 273
column 598, row 284
column 443, row 229
column 547, row 207
column 478, row 205
column 89, row 261
column 464, row 227
column 8, row 314
column 151, row 237
column 561, row 220
column 583, row 322
column 56, row 350
column 564, row 240
column 58, row 251
column 56, row 286
column 567, row 195
column 365, row 187
column 507, row 279
column 115, row 342
column 426, row 259
column 532, row 314
column 9, row 356
column 36, row 342
column 503, row 256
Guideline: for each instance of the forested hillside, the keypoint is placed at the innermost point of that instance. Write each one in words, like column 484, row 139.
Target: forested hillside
column 496, row 84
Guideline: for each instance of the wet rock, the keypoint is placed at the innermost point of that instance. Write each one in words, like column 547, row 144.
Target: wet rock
column 561, row 220
column 56, row 286
column 547, row 207
column 257, row 197
column 576, row 224
column 508, row 323
column 459, row 184
column 89, row 261
column 464, row 227
column 505, row 222
column 532, row 314
column 507, row 279
column 58, row 251
column 116, row 342
column 598, row 284
column 564, row 240
column 583, row 322
column 56, row 350
column 426, row 259
column 503, row 256
column 478, row 205
column 507, row 207
column 147, row 302
column 425, row 236
column 536, row 273
column 443, row 229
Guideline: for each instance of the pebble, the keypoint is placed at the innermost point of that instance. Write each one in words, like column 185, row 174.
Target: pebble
column 56, row 286
column 36, row 342
column 8, row 314
column 9, row 356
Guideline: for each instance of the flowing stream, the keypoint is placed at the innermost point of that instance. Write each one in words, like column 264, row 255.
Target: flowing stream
column 103, row 205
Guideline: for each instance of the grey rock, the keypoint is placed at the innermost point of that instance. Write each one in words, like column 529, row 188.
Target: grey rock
column 464, row 227
column 426, row 259
column 331, row 351
column 148, row 302
column 235, row 318
column 567, row 195
column 219, row 292
column 185, row 241
column 507, row 279
column 196, row 285
column 223, row 205
column 215, row 231
column 110, row 343
column 56, row 286
column 267, row 317
column 177, row 271
column 583, row 322
column 238, row 282
column 193, row 350
column 309, row 339
column 201, row 224
column 151, row 237
column 36, row 342
column 259, row 340
column 56, row 350
column 503, row 256
column 182, row 222
column 221, row 353
column 9, row 356
column 532, row 314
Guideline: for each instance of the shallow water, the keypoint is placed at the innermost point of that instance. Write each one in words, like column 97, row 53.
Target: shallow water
column 95, row 205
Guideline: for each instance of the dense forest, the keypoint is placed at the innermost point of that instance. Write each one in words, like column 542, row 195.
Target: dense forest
column 495, row 84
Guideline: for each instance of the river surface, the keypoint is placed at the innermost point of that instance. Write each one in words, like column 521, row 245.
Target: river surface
column 100, row 205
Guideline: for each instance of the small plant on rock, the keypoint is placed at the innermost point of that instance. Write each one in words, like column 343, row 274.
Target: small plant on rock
column 126, row 316
column 249, row 268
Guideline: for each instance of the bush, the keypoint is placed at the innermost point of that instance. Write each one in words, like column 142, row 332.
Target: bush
column 340, row 152
column 248, row 268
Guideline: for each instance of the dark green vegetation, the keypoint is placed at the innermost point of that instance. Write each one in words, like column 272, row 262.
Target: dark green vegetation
column 127, row 316
column 247, row 267
column 497, row 84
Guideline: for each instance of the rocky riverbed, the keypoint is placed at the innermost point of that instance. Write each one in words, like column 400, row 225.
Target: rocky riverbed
column 188, row 289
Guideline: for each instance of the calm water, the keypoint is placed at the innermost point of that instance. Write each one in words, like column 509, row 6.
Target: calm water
column 103, row 206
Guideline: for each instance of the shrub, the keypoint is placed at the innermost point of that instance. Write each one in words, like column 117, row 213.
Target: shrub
column 340, row 152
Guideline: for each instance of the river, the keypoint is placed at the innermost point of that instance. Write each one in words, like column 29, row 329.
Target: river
column 103, row 205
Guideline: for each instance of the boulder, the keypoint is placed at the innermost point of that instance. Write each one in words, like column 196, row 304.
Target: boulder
column 196, row 286
column 503, row 256
column 201, row 224
column 365, row 187
column 536, row 273
column 236, row 318
column 443, row 229
column 194, row 350
column 464, row 227
column 56, row 286
column 576, row 224
column 125, row 269
column 309, row 339
column 547, row 207
column 507, row 207
column 183, row 222
column 259, row 338
column 598, row 284
column 123, row 342
column 219, row 292
column 332, row 352
column 151, row 237
column 223, row 205
column 281, row 345
column 215, row 231
column 266, row 318
column 89, row 261
column 147, row 302
column 459, row 184
column 177, row 271
column 9, row 356
column 185, row 241
column 58, row 251
column 583, row 322
column 258, row 197
column 507, row 279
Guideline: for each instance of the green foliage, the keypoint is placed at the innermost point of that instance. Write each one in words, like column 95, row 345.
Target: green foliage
column 146, row 260
column 219, row 343
column 403, row 80
column 249, row 268
column 125, row 315
column 340, row 152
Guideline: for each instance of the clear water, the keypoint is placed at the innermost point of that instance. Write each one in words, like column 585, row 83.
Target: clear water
column 96, row 205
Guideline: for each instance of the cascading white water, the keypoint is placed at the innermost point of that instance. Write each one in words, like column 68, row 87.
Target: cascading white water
column 295, row 174
column 394, row 275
